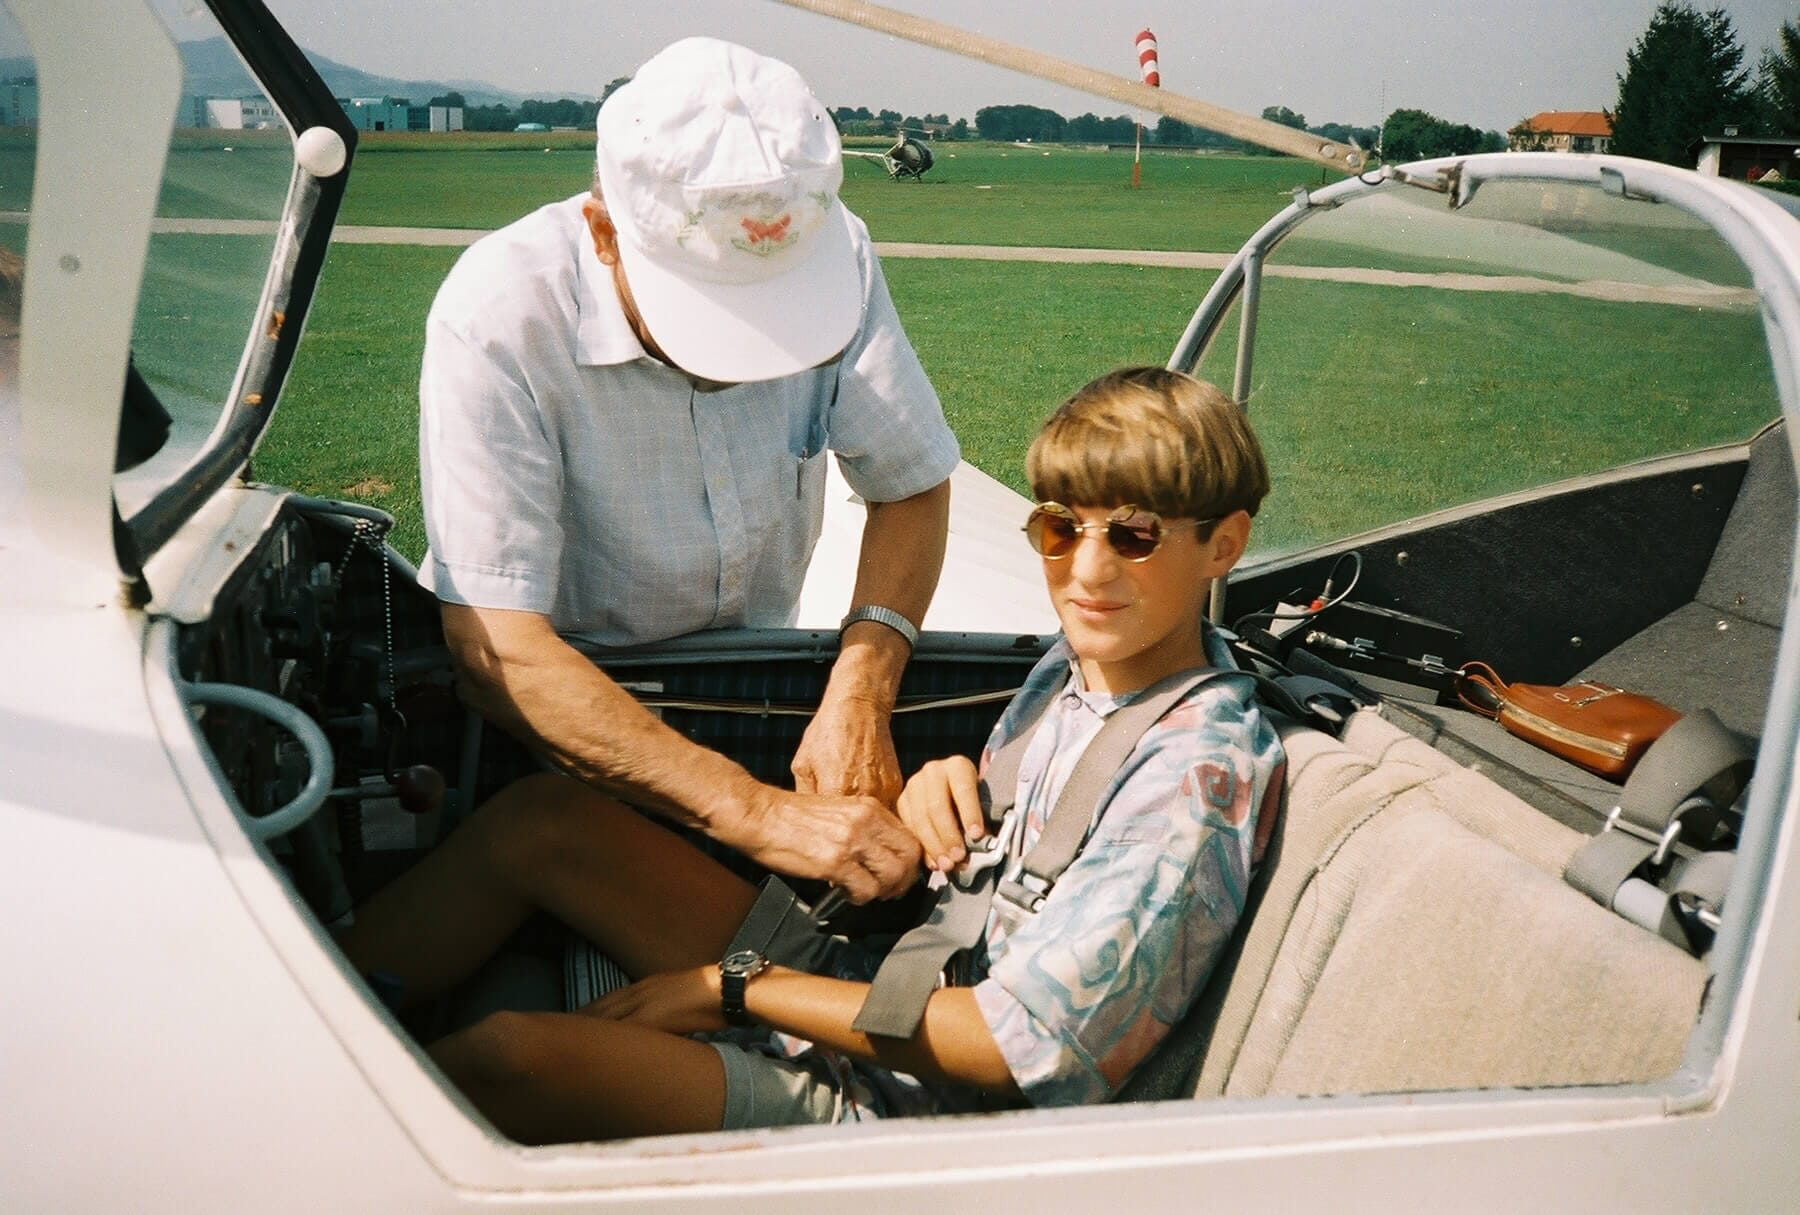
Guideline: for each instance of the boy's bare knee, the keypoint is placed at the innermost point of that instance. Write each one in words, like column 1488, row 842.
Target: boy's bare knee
column 540, row 821
column 501, row 1052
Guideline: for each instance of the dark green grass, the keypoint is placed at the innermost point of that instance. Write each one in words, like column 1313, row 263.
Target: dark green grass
column 348, row 426
column 1003, row 195
column 227, row 175
column 1380, row 403
column 1375, row 403
column 975, row 194
column 194, row 315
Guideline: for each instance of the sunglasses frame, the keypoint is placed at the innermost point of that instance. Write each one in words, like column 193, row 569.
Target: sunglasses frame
column 1117, row 519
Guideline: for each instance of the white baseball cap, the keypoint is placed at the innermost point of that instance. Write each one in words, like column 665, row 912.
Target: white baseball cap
column 720, row 171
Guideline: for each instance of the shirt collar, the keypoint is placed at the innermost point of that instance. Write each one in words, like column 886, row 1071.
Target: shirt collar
column 1218, row 653
column 603, row 337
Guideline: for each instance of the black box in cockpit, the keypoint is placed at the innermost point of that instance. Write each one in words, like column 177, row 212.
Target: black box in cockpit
column 1365, row 639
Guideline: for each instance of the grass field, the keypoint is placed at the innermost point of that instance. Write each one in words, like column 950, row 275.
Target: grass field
column 975, row 193
column 1376, row 402
column 1368, row 417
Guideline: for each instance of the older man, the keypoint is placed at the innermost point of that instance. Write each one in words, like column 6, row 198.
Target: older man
column 626, row 401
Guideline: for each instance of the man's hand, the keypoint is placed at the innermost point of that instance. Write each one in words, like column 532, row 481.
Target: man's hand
column 941, row 805
column 852, row 842
column 848, row 749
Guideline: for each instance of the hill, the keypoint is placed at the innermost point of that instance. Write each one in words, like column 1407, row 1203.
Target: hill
column 213, row 70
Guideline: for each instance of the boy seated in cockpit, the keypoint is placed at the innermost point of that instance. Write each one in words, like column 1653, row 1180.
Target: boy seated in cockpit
column 1147, row 480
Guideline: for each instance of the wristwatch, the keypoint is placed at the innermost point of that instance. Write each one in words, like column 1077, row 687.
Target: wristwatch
column 881, row 615
column 735, row 972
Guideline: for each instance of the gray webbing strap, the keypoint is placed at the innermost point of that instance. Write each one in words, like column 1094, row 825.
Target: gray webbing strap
column 1067, row 827
column 909, row 974
column 780, row 928
column 1696, row 765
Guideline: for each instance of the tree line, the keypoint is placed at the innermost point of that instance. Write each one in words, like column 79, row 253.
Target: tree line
column 1686, row 77
column 563, row 112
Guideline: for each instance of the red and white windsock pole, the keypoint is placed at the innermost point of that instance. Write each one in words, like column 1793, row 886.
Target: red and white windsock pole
column 1146, row 49
column 1146, row 53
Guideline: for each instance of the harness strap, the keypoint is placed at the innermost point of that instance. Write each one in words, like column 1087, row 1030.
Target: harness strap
column 1696, row 769
column 909, row 974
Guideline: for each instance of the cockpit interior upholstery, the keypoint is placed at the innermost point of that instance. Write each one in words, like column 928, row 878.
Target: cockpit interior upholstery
column 1411, row 932
column 1715, row 648
column 1719, row 650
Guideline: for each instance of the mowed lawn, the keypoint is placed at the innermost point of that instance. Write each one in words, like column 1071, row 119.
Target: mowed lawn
column 1003, row 341
column 975, row 193
column 1376, row 403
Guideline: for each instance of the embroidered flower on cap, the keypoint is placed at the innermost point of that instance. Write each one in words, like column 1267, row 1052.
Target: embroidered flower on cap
column 760, row 225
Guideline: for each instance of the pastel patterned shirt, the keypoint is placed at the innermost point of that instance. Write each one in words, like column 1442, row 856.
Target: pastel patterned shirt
column 1079, row 994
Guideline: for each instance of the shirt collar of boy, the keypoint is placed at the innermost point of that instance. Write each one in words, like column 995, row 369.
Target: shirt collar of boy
column 1218, row 654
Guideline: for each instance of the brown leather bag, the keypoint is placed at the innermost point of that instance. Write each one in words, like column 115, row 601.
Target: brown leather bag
column 1593, row 725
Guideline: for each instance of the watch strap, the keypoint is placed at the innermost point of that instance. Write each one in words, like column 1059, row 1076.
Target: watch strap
column 881, row 615
column 736, row 970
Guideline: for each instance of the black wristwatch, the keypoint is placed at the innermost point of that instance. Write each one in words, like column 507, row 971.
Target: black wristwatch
column 735, row 972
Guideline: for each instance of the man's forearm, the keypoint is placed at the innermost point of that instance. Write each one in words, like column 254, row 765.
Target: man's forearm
column 548, row 694
column 516, row 671
column 902, row 556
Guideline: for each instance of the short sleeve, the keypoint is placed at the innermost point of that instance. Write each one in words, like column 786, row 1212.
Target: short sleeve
column 887, row 425
column 490, row 477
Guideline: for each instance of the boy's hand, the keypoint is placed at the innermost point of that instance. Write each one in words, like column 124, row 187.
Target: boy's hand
column 674, row 1001
column 941, row 805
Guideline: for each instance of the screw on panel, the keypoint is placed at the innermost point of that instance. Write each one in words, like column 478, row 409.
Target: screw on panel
column 1402, row 557
column 1574, row 643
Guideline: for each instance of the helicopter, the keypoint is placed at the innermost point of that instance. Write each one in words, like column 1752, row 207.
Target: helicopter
column 909, row 157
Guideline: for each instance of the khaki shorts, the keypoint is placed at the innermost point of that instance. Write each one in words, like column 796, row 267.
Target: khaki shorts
column 764, row 1090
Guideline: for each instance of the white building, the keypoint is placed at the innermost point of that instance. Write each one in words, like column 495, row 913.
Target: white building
column 252, row 113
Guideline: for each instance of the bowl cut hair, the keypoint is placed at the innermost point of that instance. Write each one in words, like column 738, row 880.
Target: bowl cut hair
column 1153, row 438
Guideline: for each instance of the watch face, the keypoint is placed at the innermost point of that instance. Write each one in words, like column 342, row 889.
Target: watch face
column 742, row 962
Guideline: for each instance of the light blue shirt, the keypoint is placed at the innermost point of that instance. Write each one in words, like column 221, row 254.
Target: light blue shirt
column 566, row 472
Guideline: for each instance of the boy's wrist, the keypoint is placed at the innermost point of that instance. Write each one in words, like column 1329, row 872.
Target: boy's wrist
column 732, row 977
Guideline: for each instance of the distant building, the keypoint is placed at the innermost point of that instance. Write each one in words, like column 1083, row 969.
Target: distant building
column 256, row 112
column 1562, row 131
column 252, row 113
column 399, row 114
column 1746, row 157
column 19, row 103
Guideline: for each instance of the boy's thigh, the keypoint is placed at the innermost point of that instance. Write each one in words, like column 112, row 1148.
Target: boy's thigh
column 761, row 1090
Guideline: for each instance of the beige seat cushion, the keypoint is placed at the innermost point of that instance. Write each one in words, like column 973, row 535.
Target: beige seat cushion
column 1410, row 930
column 1426, row 957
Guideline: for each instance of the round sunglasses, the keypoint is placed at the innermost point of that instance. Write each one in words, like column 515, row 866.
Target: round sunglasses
column 1133, row 534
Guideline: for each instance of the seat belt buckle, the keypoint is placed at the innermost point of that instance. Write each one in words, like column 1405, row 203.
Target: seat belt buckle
column 1665, row 842
column 1023, row 890
column 987, row 852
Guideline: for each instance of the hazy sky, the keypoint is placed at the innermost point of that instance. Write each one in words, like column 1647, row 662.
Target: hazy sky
column 1484, row 62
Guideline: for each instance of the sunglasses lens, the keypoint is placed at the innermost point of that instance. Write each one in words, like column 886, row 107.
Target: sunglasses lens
column 1134, row 539
column 1050, row 533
